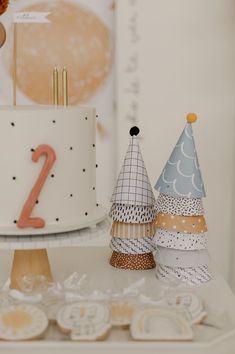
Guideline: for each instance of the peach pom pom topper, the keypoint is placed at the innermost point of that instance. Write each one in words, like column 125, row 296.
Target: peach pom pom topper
column 191, row 118
column 3, row 6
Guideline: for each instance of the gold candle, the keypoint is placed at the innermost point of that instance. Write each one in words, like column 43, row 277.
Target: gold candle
column 65, row 86
column 55, row 87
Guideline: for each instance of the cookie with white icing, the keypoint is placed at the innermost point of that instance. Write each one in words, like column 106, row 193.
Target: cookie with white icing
column 85, row 321
column 22, row 322
column 189, row 302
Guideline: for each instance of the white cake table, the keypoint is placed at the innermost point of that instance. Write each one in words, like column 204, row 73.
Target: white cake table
column 94, row 262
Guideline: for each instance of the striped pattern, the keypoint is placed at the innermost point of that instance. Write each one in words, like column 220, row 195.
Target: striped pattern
column 132, row 231
column 133, row 246
column 132, row 261
column 190, row 276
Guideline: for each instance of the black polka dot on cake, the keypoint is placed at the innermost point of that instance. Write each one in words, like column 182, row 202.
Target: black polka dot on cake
column 52, row 176
column 37, row 201
column 86, row 118
column 32, row 150
column 93, row 145
column 97, row 115
column 14, row 178
column 96, row 165
column 12, row 124
column 15, row 221
column 97, row 204
column 71, row 148
column 57, row 219
column 93, row 188
column 54, row 121
column 71, row 195
column 84, row 170
column 86, row 213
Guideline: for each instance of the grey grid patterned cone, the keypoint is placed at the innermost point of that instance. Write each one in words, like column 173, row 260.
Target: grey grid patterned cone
column 133, row 186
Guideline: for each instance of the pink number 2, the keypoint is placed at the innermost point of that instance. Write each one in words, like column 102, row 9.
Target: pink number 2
column 25, row 220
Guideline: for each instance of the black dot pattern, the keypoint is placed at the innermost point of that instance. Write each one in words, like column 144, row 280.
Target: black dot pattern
column 179, row 206
column 132, row 213
column 180, row 241
column 69, row 192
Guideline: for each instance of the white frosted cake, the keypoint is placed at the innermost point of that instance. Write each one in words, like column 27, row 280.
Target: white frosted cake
column 48, row 169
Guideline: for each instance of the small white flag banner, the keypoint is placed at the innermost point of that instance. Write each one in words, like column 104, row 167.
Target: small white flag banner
column 31, row 17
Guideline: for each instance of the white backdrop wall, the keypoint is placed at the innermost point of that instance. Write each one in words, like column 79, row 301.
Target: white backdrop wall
column 175, row 57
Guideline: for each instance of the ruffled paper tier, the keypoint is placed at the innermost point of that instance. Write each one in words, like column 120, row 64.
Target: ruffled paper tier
column 190, row 276
column 179, row 240
column 132, row 262
column 132, row 246
column 132, row 231
column 132, row 213
column 179, row 206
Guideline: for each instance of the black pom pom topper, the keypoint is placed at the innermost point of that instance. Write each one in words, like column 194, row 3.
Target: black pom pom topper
column 134, row 131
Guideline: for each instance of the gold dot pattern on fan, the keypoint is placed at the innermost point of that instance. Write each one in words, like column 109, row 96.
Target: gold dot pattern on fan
column 75, row 38
column 22, row 322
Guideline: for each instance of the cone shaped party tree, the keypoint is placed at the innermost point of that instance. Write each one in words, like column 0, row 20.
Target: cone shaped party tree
column 180, row 222
column 133, row 213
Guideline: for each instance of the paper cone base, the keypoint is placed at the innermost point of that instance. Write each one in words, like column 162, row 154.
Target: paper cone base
column 132, row 261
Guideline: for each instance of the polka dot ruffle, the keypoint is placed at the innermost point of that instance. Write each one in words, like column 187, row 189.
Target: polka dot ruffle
column 132, row 261
column 180, row 241
column 184, row 224
column 179, row 206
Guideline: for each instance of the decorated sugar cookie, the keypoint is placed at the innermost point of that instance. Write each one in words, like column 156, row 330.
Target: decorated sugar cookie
column 189, row 302
column 22, row 322
column 84, row 321
column 160, row 324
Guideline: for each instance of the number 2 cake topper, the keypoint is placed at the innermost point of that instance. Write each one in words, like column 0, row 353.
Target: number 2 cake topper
column 25, row 220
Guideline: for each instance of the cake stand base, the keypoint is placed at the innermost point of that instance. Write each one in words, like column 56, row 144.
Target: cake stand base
column 29, row 263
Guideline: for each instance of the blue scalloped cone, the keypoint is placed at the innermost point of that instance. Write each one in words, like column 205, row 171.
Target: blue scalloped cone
column 181, row 176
